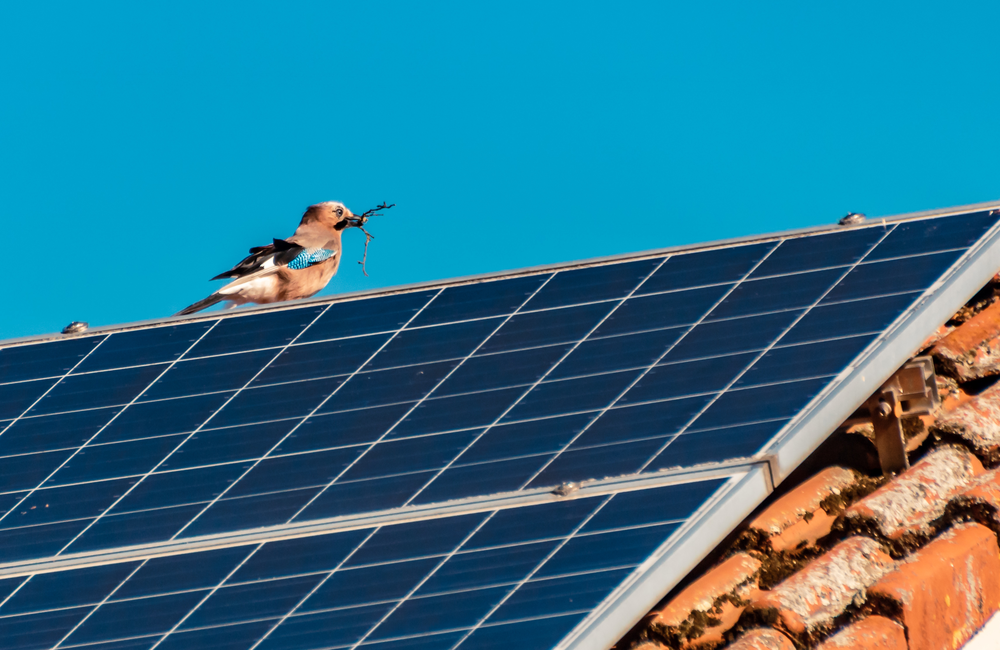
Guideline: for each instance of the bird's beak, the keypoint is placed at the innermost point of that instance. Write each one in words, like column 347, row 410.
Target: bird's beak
column 354, row 222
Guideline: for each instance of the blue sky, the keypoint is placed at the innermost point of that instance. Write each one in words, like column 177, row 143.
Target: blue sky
column 144, row 147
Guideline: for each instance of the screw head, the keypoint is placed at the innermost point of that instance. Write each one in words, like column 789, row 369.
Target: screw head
column 76, row 327
column 852, row 219
column 566, row 489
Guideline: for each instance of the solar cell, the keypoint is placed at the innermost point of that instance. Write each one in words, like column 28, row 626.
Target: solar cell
column 326, row 411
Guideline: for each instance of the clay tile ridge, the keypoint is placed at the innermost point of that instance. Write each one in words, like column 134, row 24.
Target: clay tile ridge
column 798, row 517
column 972, row 351
column 910, row 503
column 813, row 597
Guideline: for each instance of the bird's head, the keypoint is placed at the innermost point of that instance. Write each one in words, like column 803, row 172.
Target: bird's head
column 331, row 214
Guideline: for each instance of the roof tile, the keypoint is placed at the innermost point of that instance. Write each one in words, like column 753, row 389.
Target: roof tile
column 812, row 598
column 977, row 422
column 948, row 589
column 872, row 633
column 906, row 507
column 712, row 604
column 797, row 517
column 972, row 350
column 762, row 639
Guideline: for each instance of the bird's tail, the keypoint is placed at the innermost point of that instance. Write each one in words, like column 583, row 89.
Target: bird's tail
column 202, row 304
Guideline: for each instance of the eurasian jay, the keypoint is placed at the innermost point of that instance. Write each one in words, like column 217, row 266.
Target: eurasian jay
column 288, row 269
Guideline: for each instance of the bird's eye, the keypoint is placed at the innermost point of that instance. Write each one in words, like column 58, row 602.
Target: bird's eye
column 340, row 212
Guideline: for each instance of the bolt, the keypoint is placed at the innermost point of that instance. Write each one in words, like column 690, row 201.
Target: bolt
column 76, row 327
column 852, row 219
column 883, row 409
column 566, row 489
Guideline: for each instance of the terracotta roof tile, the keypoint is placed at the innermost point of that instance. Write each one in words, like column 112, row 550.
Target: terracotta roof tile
column 980, row 501
column 977, row 422
column 904, row 509
column 798, row 517
column 711, row 605
column 972, row 351
column 763, row 639
column 812, row 598
column 946, row 590
column 872, row 633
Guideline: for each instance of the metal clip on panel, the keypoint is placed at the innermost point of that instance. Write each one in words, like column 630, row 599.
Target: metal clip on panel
column 912, row 391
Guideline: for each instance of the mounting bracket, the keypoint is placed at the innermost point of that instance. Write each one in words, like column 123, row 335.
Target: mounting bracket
column 910, row 392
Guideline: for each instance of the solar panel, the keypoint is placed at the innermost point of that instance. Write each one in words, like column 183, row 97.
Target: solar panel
column 476, row 579
column 665, row 365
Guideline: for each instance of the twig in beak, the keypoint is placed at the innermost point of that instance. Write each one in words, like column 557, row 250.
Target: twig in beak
column 362, row 220
column 368, row 238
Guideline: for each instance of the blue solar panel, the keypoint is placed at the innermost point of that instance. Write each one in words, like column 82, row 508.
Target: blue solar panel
column 472, row 579
column 340, row 409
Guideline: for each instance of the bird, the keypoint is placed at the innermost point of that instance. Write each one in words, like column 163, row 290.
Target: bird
column 287, row 269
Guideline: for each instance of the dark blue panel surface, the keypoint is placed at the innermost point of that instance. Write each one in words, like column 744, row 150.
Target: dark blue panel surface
column 701, row 268
column 367, row 316
column 569, row 395
column 324, row 359
column 662, row 310
column 617, row 353
column 522, row 367
column 578, row 286
column 867, row 316
column 99, row 462
column 267, row 330
column 688, row 378
column 160, row 418
column 141, row 347
column 479, row 300
column 758, row 296
column 895, row 276
column 380, row 387
column 16, row 398
column 929, row 235
column 53, row 431
column 819, row 251
column 343, row 428
column 297, row 399
column 712, row 339
column 428, row 344
column 528, row 330
column 803, row 361
column 44, row 360
column 210, row 374
column 110, row 388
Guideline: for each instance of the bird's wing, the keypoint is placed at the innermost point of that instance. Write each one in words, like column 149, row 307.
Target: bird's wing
column 265, row 260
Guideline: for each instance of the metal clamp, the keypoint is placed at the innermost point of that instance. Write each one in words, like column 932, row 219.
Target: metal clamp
column 912, row 391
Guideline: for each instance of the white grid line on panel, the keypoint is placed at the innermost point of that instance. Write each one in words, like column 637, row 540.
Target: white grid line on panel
column 650, row 367
column 58, row 381
column 538, row 567
column 207, row 596
column 427, row 577
column 98, row 606
column 316, row 588
column 417, row 404
column 171, row 453
column 105, row 426
column 302, row 419
column 732, row 382
column 574, row 346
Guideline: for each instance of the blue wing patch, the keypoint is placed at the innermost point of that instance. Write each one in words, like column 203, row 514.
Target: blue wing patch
column 310, row 256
